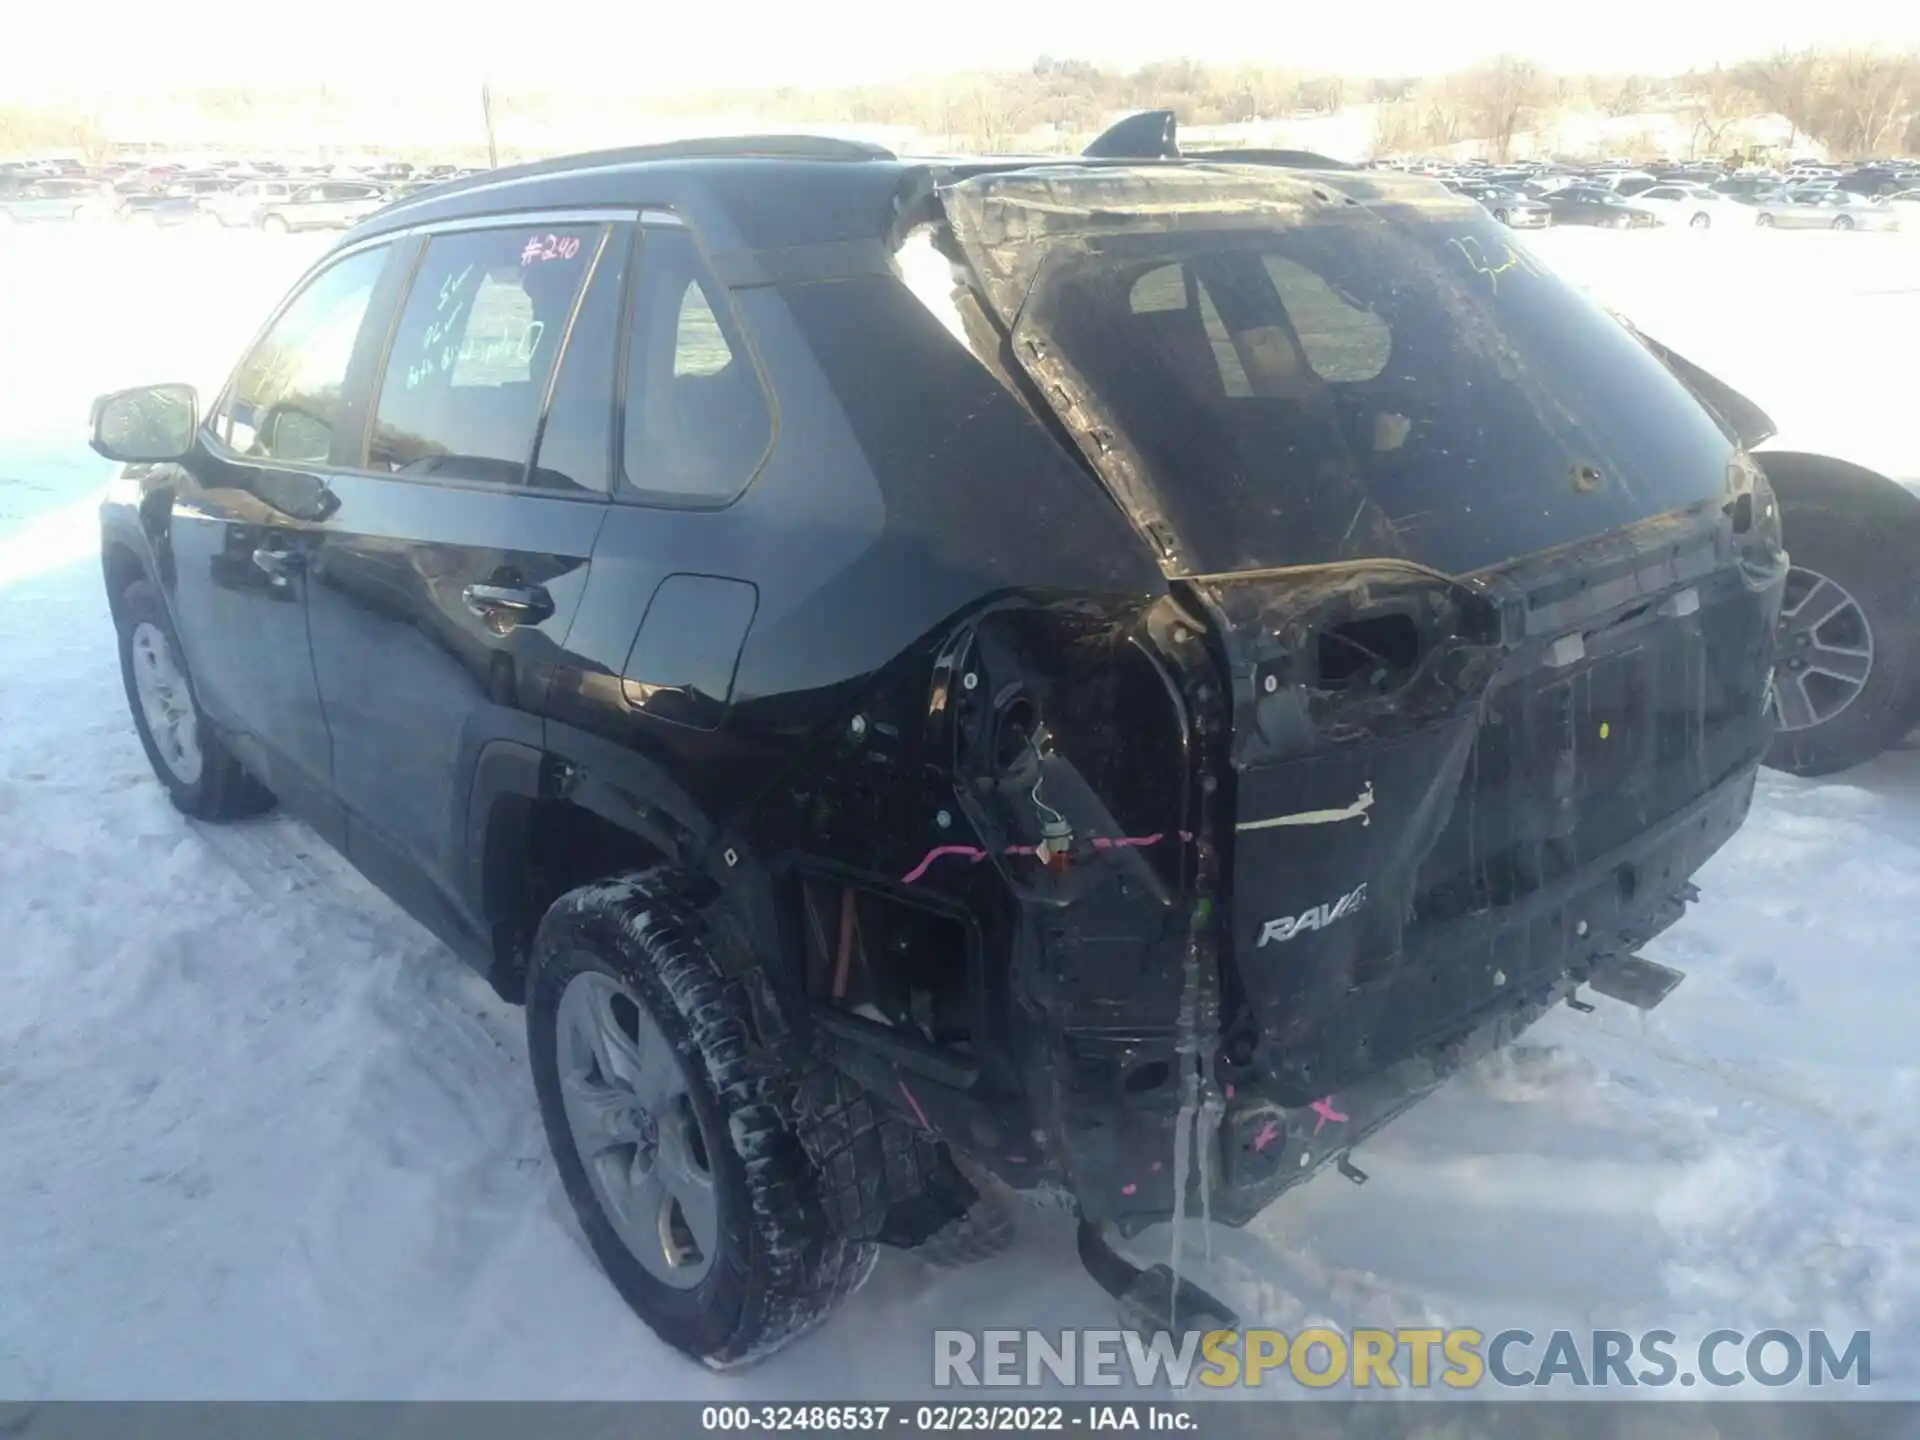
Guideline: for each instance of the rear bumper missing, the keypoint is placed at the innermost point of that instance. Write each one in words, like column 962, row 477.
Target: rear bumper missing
column 1523, row 962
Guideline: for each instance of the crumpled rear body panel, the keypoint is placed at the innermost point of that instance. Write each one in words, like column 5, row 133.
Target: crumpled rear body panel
column 1166, row 894
column 1416, row 835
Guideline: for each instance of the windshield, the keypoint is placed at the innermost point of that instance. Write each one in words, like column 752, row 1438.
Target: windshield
column 1375, row 382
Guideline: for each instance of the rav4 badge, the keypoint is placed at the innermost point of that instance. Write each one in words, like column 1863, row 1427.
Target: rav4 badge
column 1288, row 927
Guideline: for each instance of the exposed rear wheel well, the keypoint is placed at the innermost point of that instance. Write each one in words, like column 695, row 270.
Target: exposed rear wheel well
column 536, row 851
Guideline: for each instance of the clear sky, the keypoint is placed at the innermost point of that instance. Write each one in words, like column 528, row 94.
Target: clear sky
column 687, row 43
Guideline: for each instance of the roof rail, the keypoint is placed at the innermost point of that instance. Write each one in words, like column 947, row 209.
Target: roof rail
column 721, row 147
column 766, row 147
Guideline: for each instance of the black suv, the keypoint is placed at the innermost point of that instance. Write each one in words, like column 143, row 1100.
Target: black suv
column 1106, row 677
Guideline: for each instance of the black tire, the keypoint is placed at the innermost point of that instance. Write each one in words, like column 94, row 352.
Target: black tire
column 1843, row 222
column 222, row 789
column 1861, row 531
column 1702, row 221
column 779, row 1268
column 1501, row 216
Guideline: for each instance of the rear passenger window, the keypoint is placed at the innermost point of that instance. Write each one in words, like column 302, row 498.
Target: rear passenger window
column 697, row 419
column 576, row 442
column 467, row 370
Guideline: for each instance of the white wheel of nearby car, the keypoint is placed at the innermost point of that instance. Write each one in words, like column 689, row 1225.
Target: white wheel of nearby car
column 1701, row 221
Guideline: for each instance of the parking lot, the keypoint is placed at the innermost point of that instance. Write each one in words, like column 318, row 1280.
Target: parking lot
column 265, row 1137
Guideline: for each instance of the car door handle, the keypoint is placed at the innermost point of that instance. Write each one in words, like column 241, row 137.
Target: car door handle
column 516, row 604
column 280, row 564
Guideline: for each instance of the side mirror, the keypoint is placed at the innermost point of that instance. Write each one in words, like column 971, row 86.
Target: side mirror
column 153, row 424
column 288, row 432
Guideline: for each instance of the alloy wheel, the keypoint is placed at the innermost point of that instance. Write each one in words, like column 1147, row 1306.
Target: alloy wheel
column 635, row 1129
column 1824, row 651
column 166, row 702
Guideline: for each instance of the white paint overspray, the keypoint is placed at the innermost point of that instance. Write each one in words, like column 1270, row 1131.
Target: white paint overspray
column 1362, row 803
column 1201, row 1106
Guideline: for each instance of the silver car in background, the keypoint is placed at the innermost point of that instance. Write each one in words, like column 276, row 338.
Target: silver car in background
column 1803, row 209
column 324, row 205
column 1505, row 204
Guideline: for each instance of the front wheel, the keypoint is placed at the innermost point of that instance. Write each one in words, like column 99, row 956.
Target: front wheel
column 672, row 1139
column 1764, row 221
column 1501, row 216
column 1843, row 222
column 1702, row 221
column 200, row 774
column 275, row 224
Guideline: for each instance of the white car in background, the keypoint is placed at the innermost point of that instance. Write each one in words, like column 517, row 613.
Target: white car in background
column 1698, row 207
column 245, row 203
column 1906, row 204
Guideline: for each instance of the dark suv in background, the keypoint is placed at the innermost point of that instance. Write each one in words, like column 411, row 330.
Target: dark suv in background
column 1106, row 676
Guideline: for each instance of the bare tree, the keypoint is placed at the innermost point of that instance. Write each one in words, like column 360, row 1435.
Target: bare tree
column 1323, row 93
column 1872, row 92
column 1499, row 94
column 993, row 116
column 1618, row 97
column 1789, row 84
column 1714, row 102
column 1396, row 128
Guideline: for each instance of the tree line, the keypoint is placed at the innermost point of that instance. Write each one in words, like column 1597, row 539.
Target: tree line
column 1854, row 102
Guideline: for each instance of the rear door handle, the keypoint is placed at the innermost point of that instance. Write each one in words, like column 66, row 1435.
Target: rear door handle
column 279, row 563
column 512, row 604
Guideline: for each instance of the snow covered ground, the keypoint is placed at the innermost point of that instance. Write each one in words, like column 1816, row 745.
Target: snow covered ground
column 260, row 1136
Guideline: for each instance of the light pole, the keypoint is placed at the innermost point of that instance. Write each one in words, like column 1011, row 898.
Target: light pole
column 486, row 113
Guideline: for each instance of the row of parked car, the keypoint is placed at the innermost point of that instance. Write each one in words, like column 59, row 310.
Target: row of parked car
column 273, row 199
column 1805, row 196
column 1694, row 205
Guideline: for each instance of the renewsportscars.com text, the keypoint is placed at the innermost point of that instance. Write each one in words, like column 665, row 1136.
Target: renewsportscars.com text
column 1412, row 1358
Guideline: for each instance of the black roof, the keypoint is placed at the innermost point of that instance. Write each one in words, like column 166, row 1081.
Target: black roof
column 744, row 193
column 754, row 193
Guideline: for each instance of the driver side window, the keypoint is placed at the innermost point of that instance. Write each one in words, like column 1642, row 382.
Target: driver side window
column 284, row 400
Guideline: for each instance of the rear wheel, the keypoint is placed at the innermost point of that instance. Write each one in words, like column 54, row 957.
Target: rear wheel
column 1847, row 651
column 1702, row 221
column 1501, row 216
column 672, row 1137
column 1764, row 221
column 1843, row 222
column 274, row 224
column 200, row 774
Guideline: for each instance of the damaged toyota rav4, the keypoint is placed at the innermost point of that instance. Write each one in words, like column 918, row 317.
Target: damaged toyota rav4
column 1106, row 678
